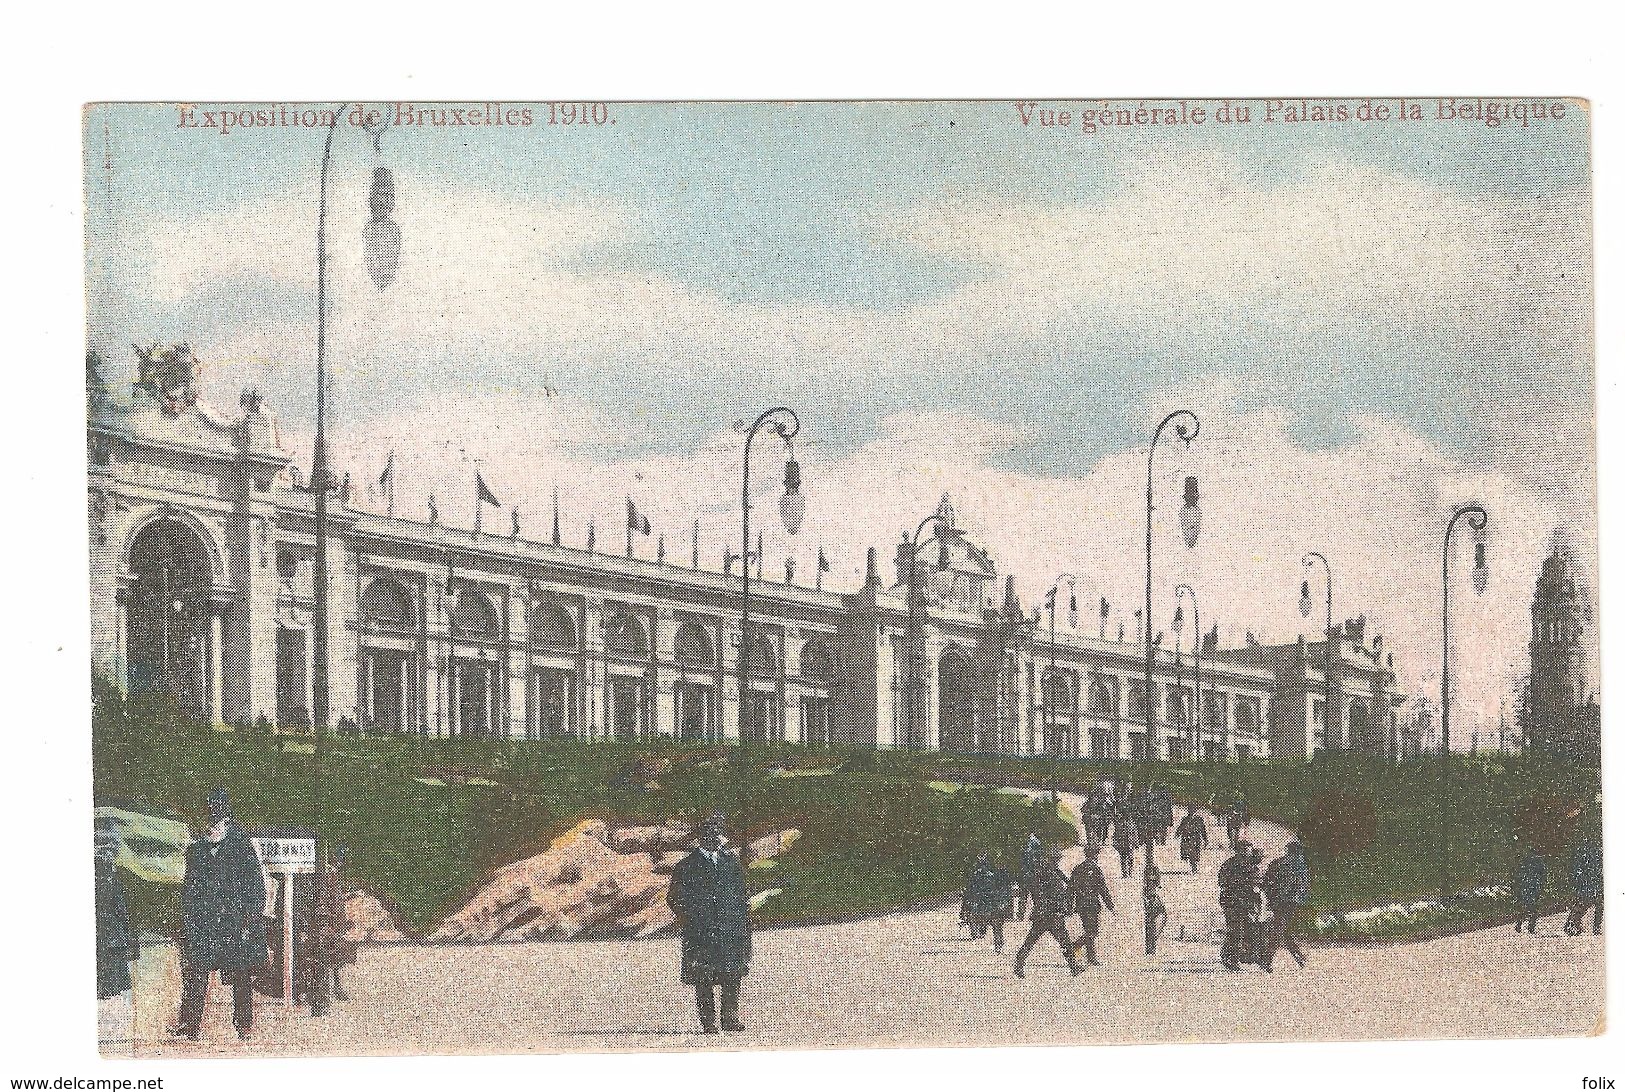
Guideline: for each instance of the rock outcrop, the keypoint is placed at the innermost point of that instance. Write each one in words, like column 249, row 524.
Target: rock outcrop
column 368, row 922
column 591, row 882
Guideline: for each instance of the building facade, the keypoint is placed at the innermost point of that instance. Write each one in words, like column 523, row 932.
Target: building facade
column 202, row 544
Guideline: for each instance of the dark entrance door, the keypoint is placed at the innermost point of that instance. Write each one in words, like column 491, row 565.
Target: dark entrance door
column 388, row 671
column 474, row 699
column 167, row 631
column 956, row 702
column 626, row 706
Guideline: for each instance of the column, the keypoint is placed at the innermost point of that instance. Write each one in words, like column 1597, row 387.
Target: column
column 661, row 680
column 216, row 679
column 121, row 639
column 366, row 711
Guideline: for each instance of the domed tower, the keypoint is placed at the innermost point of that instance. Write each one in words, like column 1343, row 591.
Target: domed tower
column 1560, row 619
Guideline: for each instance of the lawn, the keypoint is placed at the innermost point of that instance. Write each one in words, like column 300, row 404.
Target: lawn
column 428, row 820
column 1371, row 827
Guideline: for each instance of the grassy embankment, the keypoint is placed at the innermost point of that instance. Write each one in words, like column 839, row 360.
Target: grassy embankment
column 427, row 820
column 1372, row 828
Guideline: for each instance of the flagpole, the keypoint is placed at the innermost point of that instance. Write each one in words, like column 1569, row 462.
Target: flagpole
column 391, row 493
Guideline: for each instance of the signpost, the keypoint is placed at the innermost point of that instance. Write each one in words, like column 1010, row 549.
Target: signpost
column 287, row 856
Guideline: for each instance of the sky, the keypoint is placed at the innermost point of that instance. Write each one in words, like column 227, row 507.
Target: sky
column 1373, row 321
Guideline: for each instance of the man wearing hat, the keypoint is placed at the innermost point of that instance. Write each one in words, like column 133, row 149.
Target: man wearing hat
column 1051, row 904
column 222, row 899
column 707, row 896
column 1238, row 896
column 1089, row 893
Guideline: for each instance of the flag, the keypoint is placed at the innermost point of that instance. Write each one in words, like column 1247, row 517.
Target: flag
column 1105, row 608
column 485, row 494
column 823, row 562
column 635, row 520
column 387, row 478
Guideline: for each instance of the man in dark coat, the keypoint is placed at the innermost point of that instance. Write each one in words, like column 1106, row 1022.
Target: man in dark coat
column 1165, row 813
column 1051, row 903
column 1031, row 859
column 987, row 900
column 222, row 906
column 1126, row 839
column 707, row 896
column 1585, row 873
column 117, row 945
column 1286, row 886
column 1235, row 822
column 1529, row 884
column 1238, row 897
column 1192, row 833
column 1089, row 893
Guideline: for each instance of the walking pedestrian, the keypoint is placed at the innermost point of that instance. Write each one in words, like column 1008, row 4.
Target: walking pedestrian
column 1156, row 914
column 1125, row 839
column 222, row 907
column 1051, row 899
column 1235, row 821
column 1585, row 873
column 1529, row 883
column 1286, row 886
column 1238, row 898
column 1031, row 855
column 1165, row 813
column 986, row 904
column 328, row 949
column 1090, row 892
column 1192, row 833
column 707, row 896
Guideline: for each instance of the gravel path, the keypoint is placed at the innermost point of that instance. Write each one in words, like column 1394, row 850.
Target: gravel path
column 911, row 979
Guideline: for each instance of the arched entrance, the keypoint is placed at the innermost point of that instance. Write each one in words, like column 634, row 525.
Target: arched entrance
column 956, row 702
column 168, row 623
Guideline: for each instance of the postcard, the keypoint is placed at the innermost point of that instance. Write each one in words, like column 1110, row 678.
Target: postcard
column 600, row 576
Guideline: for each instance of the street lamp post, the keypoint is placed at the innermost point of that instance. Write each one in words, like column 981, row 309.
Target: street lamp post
column 1190, row 522
column 382, row 243
column 1304, row 607
column 911, row 682
column 792, row 506
column 1477, row 519
column 1181, row 591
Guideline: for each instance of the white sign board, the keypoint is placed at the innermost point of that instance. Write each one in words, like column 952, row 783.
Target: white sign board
column 289, row 855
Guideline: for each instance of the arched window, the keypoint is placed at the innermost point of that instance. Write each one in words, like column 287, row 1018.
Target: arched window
column 1177, row 705
column 693, row 647
column 472, row 615
column 1056, row 693
column 1100, row 700
column 763, row 659
column 624, row 636
column 387, row 605
column 1136, row 703
column 553, row 626
column 1359, row 716
column 1213, row 709
column 816, row 662
column 1246, row 717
